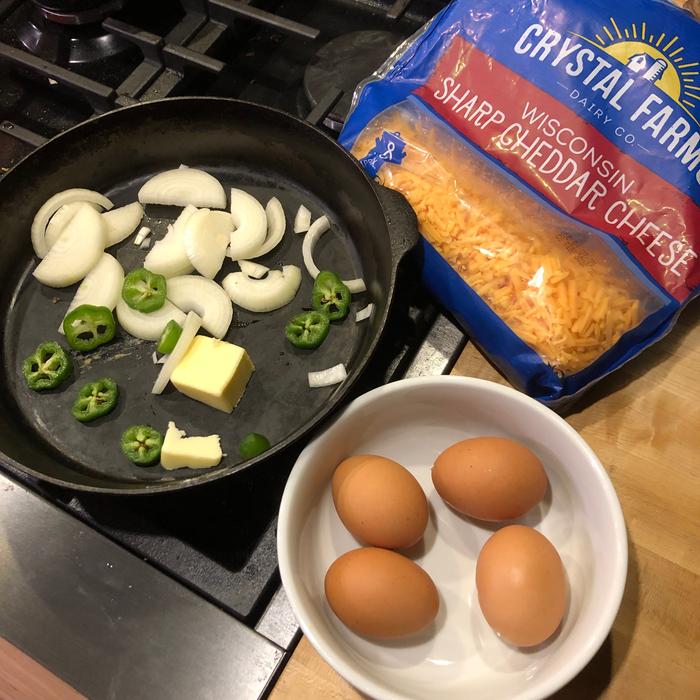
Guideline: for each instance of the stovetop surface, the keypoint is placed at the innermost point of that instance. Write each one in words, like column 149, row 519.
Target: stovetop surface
column 263, row 64
column 219, row 540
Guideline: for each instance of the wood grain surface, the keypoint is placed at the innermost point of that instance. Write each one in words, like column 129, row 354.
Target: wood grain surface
column 22, row 678
column 644, row 424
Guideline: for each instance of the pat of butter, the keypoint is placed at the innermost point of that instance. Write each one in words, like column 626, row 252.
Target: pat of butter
column 214, row 372
column 196, row 452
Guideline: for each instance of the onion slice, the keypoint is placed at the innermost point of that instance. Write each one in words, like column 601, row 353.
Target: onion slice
column 101, row 287
column 251, row 269
column 52, row 205
column 302, row 220
column 148, row 326
column 317, row 229
column 76, row 251
column 61, row 219
column 364, row 314
column 206, row 297
column 168, row 257
column 122, row 222
column 190, row 326
column 142, row 235
column 183, row 186
column 327, row 377
column 207, row 235
column 250, row 221
column 356, row 286
column 276, row 225
column 273, row 292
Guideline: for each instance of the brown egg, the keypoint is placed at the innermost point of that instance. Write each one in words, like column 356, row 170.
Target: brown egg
column 379, row 501
column 521, row 585
column 489, row 478
column 379, row 593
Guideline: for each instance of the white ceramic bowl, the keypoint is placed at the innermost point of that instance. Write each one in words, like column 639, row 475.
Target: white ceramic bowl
column 459, row 656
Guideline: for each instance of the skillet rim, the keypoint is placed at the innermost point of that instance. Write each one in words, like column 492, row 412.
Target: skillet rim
column 123, row 489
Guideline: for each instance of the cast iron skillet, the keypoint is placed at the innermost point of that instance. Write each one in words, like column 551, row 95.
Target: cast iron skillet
column 261, row 150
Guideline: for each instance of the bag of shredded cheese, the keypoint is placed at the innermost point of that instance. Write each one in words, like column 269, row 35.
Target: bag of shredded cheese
column 551, row 152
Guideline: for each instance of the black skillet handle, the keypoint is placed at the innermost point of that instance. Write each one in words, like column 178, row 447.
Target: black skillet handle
column 401, row 221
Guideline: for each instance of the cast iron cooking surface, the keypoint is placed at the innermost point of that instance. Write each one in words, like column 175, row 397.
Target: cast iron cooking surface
column 277, row 401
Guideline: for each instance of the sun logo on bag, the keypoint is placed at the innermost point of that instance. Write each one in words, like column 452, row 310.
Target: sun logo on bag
column 657, row 57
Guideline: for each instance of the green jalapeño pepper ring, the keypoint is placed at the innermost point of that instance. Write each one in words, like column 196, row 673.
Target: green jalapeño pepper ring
column 308, row 330
column 144, row 290
column 142, row 444
column 169, row 337
column 47, row 366
column 95, row 399
column 87, row 327
column 329, row 294
column 252, row 445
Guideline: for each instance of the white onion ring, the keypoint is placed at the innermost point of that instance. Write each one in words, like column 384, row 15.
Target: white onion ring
column 317, row 229
column 183, row 186
column 190, row 327
column 122, row 222
column 207, row 235
column 250, row 221
column 52, row 205
column 251, row 269
column 142, row 235
column 168, row 257
column 148, row 326
column 61, row 219
column 365, row 313
column 302, row 220
column 276, row 225
column 206, row 297
column 327, row 377
column 102, row 286
column 77, row 250
column 260, row 296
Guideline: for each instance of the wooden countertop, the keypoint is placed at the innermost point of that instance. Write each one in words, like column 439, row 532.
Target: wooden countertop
column 644, row 424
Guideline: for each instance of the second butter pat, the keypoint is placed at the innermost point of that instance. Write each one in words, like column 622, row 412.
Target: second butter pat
column 214, row 372
column 195, row 452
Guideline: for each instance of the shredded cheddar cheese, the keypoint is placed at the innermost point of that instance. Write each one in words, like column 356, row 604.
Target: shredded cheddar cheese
column 556, row 289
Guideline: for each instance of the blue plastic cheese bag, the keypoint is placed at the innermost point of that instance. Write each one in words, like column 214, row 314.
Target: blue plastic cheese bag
column 551, row 152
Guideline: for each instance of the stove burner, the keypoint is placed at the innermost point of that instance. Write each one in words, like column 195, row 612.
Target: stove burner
column 70, row 33
column 342, row 63
column 77, row 12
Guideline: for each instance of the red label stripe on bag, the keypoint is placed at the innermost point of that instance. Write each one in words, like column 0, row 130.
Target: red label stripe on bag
column 568, row 161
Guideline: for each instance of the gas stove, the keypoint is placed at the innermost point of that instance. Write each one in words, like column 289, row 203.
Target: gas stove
column 61, row 62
